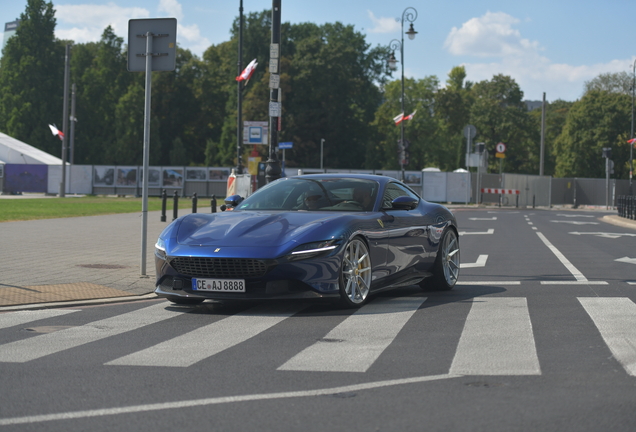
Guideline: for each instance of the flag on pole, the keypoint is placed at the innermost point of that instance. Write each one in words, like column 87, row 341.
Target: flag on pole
column 632, row 141
column 398, row 118
column 248, row 71
column 56, row 131
column 410, row 116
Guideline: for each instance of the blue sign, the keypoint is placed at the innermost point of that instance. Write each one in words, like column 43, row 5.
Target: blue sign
column 285, row 145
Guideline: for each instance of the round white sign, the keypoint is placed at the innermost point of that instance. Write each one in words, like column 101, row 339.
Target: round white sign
column 501, row 147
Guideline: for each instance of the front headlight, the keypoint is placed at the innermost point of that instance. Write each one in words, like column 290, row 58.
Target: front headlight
column 160, row 248
column 310, row 250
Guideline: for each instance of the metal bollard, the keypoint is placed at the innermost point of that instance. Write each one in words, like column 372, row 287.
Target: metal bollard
column 164, row 198
column 194, row 202
column 175, row 205
column 213, row 204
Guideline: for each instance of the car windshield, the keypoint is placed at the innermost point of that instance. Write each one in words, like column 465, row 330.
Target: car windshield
column 314, row 194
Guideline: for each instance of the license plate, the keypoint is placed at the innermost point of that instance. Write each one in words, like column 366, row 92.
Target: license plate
column 219, row 285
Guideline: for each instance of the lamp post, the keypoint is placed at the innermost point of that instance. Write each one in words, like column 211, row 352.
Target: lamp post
column 239, row 116
column 410, row 15
column 631, row 144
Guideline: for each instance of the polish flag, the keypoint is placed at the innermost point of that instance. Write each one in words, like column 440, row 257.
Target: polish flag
column 410, row 116
column 398, row 118
column 248, row 71
column 632, row 141
column 56, row 131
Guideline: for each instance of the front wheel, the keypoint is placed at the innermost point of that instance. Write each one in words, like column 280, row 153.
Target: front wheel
column 446, row 266
column 355, row 274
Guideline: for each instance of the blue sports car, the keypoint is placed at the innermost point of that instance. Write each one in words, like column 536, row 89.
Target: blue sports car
column 334, row 236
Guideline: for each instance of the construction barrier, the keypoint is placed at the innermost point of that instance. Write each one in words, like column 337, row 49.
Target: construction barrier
column 500, row 192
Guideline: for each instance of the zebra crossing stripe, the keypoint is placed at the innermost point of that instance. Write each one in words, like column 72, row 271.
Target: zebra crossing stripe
column 497, row 339
column 615, row 318
column 358, row 341
column 11, row 319
column 39, row 346
column 211, row 339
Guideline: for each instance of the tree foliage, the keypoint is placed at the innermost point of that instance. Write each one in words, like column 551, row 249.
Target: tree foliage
column 334, row 87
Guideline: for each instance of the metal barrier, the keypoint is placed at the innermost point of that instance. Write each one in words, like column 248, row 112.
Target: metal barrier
column 500, row 192
column 626, row 206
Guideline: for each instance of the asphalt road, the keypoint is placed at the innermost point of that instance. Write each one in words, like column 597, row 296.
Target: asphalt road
column 540, row 334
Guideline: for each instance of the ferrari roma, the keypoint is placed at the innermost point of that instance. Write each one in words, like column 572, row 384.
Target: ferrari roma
column 334, row 236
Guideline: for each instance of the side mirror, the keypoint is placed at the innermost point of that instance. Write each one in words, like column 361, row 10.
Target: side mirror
column 404, row 203
column 233, row 200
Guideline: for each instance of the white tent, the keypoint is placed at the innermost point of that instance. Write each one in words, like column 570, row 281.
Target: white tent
column 13, row 151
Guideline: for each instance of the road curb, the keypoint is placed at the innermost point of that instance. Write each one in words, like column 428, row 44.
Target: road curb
column 74, row 303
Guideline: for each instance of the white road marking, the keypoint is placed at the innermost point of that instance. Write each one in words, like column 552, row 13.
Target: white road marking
column 211, row 339
column 358, row 341
column 574, row 215
column 481, row 262
column 631, row 283
column 575, row 222
column 604, row 234
column 490, row 231
column 11, row 319
column 626, row 260
column 486, row 219
column 497, row 339
column 495, row 283
column 39, row 346
column 585, row 282
column 577, row 274
column 615, row 318
column 219, row 400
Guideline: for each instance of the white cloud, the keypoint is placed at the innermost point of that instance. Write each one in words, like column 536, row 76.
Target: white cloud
column 86, row 23
column 383, row 25
column 172, row 8
column 490, row 35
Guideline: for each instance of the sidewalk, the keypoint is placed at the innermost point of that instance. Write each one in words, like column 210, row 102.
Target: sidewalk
column 52, row 262
column 82, row 258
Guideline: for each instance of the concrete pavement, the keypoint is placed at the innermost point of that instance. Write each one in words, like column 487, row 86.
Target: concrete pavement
column 44, row 262
column 53, row 262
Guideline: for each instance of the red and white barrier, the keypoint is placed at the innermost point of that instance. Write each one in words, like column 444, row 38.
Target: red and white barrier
column 500, row 191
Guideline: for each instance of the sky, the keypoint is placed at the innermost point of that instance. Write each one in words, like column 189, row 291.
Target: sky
column 547, row 46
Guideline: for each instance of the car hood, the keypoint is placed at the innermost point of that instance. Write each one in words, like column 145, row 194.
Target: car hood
column 250, row 228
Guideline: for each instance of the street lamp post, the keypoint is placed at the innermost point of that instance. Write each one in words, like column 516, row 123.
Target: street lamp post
column 631, row 144
column 410, row 15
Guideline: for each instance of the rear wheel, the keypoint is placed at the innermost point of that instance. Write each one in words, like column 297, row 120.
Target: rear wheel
column 355, row 274
column 446, row 267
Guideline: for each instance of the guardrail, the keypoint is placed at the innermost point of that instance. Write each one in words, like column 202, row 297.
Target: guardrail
column 626, row 206
column 500, row 192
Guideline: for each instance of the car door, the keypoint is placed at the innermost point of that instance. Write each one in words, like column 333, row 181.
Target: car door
column 407, row 232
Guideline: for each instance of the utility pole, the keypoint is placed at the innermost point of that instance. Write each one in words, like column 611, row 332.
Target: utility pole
column 542, row 136
column 67, row 60
column 273, row 170
column 239, row 126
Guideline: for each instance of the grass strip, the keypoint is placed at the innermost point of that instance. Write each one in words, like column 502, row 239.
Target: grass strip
column 22, row 209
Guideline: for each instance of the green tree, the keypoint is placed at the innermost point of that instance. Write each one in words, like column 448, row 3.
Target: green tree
column 32, row 79
column 101, row 76
column 500, row 115
column 452, row 109
column 599, row 119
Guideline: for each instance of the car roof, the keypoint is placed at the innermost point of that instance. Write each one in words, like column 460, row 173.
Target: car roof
column 378, row 178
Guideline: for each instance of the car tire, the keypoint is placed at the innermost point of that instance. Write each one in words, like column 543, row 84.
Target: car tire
column 185, row 301
column 446, row 266
column 355, row 274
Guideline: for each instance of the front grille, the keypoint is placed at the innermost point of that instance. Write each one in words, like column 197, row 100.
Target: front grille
column 226, row 268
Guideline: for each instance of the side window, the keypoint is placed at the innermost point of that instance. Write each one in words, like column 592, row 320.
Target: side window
column 394, row 190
